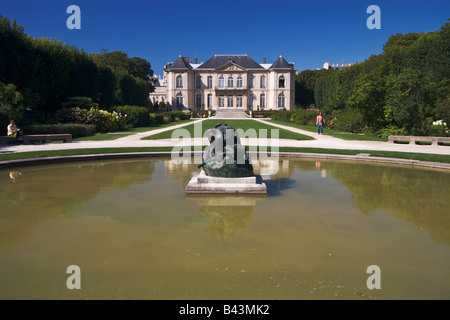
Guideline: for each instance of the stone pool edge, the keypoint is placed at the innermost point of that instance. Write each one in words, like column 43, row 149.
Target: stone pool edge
column 134, row 155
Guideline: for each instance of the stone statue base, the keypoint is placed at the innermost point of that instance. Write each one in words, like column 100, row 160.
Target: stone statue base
column 203, row 184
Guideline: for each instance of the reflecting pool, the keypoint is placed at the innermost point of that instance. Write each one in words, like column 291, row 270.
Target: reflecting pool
column 134, row 233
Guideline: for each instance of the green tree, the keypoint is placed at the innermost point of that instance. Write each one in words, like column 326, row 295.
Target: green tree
column 11, row 107
column 408, row 98
column 305, row 85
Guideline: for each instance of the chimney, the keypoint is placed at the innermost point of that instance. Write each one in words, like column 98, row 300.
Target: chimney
column 186, row 59
column 195, row 60
column 264, row 60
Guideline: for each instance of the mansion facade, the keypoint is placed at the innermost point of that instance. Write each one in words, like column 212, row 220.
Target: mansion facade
column 226, row 82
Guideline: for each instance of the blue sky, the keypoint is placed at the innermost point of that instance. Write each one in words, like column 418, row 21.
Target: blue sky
column 307, row 33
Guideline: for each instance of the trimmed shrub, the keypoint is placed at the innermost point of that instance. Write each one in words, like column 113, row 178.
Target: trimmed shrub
column 298, row 116
column 350, row 121
column 195, row 114
column 264, row 113
column 158, row 118
column 284, row 116
column 76, row 130
column 172, row 116
column 135, row 116
column 391, row 131
column 304, row 117
column 80, row 102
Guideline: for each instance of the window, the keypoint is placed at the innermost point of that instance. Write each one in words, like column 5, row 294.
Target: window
column 198, row 101
column 179, row 82
column 221, row 82
column 198, row 82
column 239, row 101
column 209, row 100
column 251, row 97
column 230, row 82
column 221, row 101
column 239, row 82
column 263, row 82
column 251, row 82
column 281, row 82
column 230, row 101
column 179, row 100
column 281, row 100
column 209, row 82
column 262, row 99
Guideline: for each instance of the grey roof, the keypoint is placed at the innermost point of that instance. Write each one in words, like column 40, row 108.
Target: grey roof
column 241, row 60
column 180, row 64
column 281, row 63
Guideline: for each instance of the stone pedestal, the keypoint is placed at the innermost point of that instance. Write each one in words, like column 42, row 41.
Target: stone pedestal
column 203, row 184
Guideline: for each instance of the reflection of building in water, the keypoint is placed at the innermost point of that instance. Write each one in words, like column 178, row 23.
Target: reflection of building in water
column 227, row 214
column 268, row 168
column 180, row 172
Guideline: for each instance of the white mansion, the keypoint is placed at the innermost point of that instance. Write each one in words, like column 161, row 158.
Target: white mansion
column 226, row 82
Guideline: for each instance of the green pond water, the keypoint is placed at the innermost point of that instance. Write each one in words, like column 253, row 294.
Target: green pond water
column 134, row 233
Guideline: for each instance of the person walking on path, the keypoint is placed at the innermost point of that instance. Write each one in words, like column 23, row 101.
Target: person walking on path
column 320, row 121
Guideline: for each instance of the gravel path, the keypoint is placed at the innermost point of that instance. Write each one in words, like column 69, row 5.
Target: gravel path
column 322, row 141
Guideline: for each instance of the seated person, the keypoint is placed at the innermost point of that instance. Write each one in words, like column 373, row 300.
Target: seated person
column 13, row 131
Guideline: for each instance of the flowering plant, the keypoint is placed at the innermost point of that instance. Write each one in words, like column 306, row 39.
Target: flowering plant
column 103, row 120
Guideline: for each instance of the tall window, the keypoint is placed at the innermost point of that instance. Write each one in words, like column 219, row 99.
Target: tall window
column 221, row 82
column 281, row 82
column 281, row 100
column 209, row 100
column 209, row 82
column 251, row 82
column 262, row 99
column 198, row 101
column 230, row 82
column 179, row 100
column 250, row 100
column 230, row 101
column 198, row 82
column 239, row 83
column 221, row 101
column 239, row 101
column 263, row 82
column 179, row 82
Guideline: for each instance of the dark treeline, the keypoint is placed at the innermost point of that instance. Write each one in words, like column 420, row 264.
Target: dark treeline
column 47, row 72
column 401, row 91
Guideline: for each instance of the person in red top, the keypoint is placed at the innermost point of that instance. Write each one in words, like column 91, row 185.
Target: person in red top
column 320, row 122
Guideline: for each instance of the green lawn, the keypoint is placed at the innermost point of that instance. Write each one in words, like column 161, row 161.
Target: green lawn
column 161, row 126
column 330, row 132
column 236, row 124
column 117, row 135
column 374, row 153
